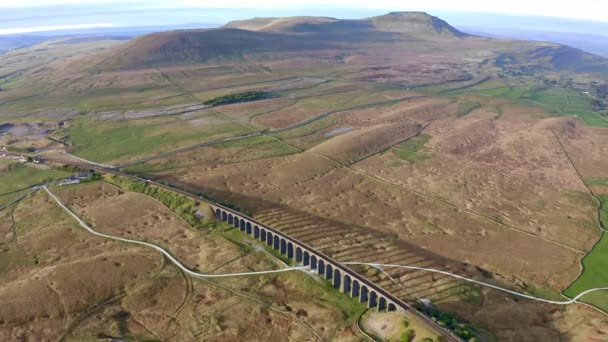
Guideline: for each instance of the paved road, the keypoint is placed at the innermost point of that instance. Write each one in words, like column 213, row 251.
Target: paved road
column 453, row 275
column 202, row 275
column 164, row 251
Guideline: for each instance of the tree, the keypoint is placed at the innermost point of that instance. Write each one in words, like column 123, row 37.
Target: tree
column 408, row 336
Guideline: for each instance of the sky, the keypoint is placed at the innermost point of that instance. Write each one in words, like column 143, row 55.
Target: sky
column 580, row 9
column 23, row 16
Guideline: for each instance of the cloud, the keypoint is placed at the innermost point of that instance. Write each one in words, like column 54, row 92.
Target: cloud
column 580, row 9
column 32, row 29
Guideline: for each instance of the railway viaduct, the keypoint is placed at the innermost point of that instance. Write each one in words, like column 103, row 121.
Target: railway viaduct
column 340, row 276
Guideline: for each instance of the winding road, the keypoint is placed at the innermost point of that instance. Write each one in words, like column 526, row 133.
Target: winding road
column 300, row 268
column 162, row 250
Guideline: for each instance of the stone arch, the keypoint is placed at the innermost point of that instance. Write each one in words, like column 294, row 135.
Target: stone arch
column 283, row 246
column 337, row 278
column 381, row 304
column 247, row 227
column 298, row 254
column 269, row 238
column 236, row 222
column 364, row 294
column 346, row 286
column 356, row 289
column 243, row 225
column 256, row 232
column 218, row 214
column 230, row 219
column 263, row 234
column 306, row 261
column 276, row 245
column 290, row 250
column 392, row 307
column 321, row 268
column 329, row 272
column 224, row 216
column 373, row 299
column 313, row 262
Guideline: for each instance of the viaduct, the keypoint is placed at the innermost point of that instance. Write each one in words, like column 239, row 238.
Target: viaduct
column 347, row 280
column 340, row 276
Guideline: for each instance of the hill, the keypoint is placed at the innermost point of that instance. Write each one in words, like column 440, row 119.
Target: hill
column 199, row 46
column 418, row 24
column 391, row 35
column 267, row 35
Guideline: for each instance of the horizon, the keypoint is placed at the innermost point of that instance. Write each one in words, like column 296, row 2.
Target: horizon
column 38, row 16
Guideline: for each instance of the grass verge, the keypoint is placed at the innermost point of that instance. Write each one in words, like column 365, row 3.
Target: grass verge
column 594, row 275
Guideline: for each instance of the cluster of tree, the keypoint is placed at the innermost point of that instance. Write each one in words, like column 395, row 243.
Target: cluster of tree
column 181, row 205
column 407, row 336
column 236, row 98
column 70, row 168
column 93, row 176
column 449, row 321
column 601, row 90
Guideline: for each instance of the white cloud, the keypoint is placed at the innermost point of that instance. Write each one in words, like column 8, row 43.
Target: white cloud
column 32, row 29
column 581, row 9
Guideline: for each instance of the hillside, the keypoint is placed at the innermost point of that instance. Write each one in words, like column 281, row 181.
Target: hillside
column 417, row 24
column 550, row 56
column 200, row 46
column 413, row 24
column 389, row 36
column 268, row 35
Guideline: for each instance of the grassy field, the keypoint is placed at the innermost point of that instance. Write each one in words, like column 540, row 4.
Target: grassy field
column 591, row 118
column 263, row 145
column 241, row 150
column 467, row 107
column 408, row 150
column 559, row 100
column 510, row 92
column 594, row 275
column 18, row 176
column 107, row 141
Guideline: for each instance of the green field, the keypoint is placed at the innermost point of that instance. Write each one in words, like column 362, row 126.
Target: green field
column 467, row 107
column 19, row 176
column 509, row 93
column 253, row 148
column 595, row 263
column 415, row 144
column 590, row 118
column 603, row 210
column 596, row 181
column 594, row 275
column 410, row 156
column 408, row 150
column 107, row 141
column 559, row 100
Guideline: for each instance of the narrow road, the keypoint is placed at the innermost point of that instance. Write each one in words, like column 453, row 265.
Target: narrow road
column 515, row 293
column 298, row 268
column 164, row 251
